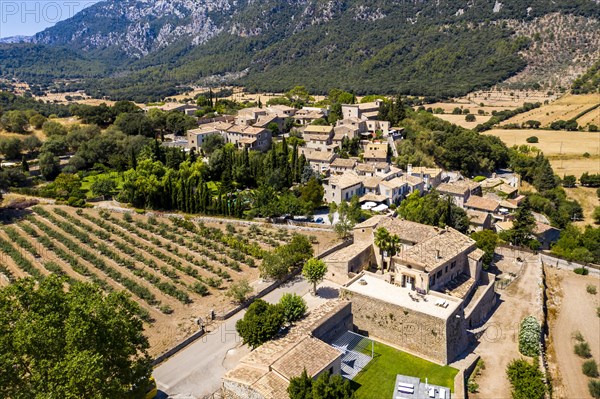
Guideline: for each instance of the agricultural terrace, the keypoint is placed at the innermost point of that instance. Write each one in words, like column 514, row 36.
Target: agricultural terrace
column 177, row 270
column 579, row 107
column 483, row 103
column 565, row 150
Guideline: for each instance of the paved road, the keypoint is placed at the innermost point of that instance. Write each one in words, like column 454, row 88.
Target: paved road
column 197, row 370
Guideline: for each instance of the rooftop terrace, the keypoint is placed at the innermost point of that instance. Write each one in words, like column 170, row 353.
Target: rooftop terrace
column 371, row 286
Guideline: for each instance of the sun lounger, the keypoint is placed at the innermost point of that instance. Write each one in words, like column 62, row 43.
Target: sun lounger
column 442, row 394
column 432, row 392
column 406, row 390
column 405, row 385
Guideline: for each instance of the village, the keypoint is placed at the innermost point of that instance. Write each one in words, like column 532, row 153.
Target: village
column 429, row 294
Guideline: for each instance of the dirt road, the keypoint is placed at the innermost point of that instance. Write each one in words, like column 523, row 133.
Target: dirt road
column 499, row 345
column 576, row 311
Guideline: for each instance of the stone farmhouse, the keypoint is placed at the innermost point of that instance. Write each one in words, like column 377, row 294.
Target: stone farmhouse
column 308, row 115
column 367, row 113
column 425, row 298
column 265, row 373
column 378, row 182
column 242, row 136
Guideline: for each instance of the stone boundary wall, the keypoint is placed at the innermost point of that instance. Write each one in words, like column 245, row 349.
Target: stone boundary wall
column 461, row 381
column 558, row 263
column 482, row 306
column 164, row 356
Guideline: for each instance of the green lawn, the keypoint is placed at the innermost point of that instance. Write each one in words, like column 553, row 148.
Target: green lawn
column 377, row 380
column 87, row 182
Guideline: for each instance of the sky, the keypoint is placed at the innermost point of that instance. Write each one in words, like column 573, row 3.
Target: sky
column 27, row 17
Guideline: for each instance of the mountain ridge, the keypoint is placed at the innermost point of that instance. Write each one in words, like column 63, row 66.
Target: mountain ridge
column 361, row 45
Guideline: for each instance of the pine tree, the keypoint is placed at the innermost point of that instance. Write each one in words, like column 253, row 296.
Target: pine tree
column 24, row 165
column 523, row 225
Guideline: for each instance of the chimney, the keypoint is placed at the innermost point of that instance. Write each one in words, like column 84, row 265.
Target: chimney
column 409, row 168
column 438, row 254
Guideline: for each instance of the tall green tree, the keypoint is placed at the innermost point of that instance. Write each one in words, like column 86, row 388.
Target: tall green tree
column 261, row 323
column 326, row 386
column 314, row 271
column 11, row 147
column 75, row 343
column 487, row 241
column 521, row 233
column 49, row 165
column 14, row 121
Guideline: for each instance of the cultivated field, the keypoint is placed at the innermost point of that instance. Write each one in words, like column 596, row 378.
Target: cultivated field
column 564, row 149
column 488, row 102
column 571, row 309
column 552, row 142
column 460, row 119
column 177, row 270
column 507, row 99
column 565, row 108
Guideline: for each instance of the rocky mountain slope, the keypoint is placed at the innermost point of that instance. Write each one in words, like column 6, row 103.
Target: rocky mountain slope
column 430, row 47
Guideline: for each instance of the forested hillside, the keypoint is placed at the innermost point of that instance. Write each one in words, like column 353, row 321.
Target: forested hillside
column 143, row 50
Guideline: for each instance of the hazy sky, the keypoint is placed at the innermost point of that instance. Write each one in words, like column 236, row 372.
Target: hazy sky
column 26, row 17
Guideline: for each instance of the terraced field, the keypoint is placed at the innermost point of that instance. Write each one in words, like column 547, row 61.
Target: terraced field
column 176, row 269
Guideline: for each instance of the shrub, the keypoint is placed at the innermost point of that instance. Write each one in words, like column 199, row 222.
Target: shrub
column 578, row 337
column 598, row 311
column 594, row 387
column 532, row 139
column 526, row 379
column 470, row 118
column 239, row 291
column 586, row 155
column 529, row 337
column 591, row 289
column 582, row 349
column 590, row 368
column 261, row 323
column 472, row 386
column 293, row 307
column 582, row 271
column 127, row 217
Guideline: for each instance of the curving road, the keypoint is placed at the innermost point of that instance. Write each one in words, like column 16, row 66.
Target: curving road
column 196, row 371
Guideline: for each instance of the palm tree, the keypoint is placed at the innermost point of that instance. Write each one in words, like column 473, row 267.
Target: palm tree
column 382, row 240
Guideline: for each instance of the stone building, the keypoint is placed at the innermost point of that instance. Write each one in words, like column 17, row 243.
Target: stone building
column 425, row 297
column 265, row 373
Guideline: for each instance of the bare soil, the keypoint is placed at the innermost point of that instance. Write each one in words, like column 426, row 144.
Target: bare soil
column 169, row 329
column 571, row 309
column 499, row 344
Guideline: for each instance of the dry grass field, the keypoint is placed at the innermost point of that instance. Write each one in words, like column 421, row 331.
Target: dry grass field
column 565, row 108
column 587, row 198
column 552, row 142
column 61, row 98
column 460, row 119
column 564, row 149
column 70, row 121
column 591, row 118
column 507, row 99
column 487, row 101
column 177, row 272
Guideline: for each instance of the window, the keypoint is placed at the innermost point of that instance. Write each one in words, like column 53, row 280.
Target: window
column 439, row 274
column 453, row 265
column 446, row 269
